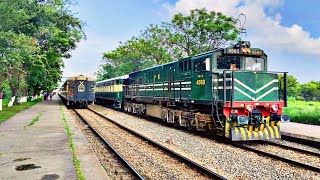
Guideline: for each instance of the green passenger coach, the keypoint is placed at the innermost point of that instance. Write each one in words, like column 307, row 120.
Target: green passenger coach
column 110, row 92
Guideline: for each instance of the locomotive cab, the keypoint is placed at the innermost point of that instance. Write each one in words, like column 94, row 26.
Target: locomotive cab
column 249, row 94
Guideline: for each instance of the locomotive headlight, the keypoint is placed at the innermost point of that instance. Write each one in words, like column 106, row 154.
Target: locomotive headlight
column 243, row 120
column 275, row 108
column 249, row 107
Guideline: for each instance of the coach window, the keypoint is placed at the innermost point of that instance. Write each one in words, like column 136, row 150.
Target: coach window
column 228, row 62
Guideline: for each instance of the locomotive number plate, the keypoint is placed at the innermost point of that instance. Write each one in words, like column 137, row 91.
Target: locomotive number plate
column 200, row 82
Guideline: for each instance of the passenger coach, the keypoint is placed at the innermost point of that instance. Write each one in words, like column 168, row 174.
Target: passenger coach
column 78, row 91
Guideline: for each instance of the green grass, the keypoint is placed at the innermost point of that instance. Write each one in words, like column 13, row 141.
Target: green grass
column 8, row 112
column 303, row 112
column 76, row 161
column 34, row 120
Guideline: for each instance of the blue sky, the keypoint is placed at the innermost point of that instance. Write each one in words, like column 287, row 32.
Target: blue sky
column 288, row 31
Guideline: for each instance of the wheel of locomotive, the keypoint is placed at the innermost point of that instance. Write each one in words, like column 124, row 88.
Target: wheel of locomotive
column 175, row 125
column 189, row 127
column 207, row 132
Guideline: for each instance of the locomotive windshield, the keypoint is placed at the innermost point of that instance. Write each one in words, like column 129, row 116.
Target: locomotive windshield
column 228, row 62
column 254, row 64
column 235, row 63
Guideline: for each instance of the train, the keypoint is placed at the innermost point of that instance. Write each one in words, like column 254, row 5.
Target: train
column 227, row 92
column 78, row 91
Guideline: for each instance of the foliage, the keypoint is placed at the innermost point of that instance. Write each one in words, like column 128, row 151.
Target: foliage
column 293, row 86
column 197, row 32
column 202, row 31
column 311, row 90
column 303, row 112
column 8, row 112
column 35, row 36
column 76, row 161
column 34, row 120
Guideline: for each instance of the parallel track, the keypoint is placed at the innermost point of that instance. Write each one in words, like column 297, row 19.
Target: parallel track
column 181, row 158
column 276, row 157
column 293, row 148
column 303, row 141
column 120, row 157
column 273, row 156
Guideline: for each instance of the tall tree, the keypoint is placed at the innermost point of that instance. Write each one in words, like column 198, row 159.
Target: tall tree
column 198, row 32
column 202, row 31
column 35, row 37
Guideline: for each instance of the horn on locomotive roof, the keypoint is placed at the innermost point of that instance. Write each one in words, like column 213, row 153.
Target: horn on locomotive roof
column 242, row 22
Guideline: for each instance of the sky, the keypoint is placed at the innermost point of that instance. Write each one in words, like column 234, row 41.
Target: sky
column 288, row 31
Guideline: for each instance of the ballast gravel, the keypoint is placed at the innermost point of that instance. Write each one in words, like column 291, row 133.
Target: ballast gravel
column 289, row 154
column 228, row 161
column 296, row 145
column 151, row 162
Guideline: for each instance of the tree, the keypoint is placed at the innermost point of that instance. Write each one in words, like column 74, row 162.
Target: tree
column 293, row 86
column 310, row 90
column 202, row 31
column 198, row 32
column 35, row 37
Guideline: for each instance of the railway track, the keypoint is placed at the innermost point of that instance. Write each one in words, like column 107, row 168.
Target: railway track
column 265, row 152
column 308, row 142
column 123, row 169
column 204, row 172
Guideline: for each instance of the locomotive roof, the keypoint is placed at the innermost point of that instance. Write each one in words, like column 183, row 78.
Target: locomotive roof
column 115, row 78
column 80, row 77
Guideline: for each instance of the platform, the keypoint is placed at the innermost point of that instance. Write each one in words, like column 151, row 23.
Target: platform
column 43, row 148
column 307, row 131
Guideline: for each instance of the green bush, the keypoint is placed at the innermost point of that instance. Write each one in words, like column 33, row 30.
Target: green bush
column 303, row 112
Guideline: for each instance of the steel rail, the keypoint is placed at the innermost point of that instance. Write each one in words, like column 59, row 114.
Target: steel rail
column 299, row 140
column 122, row 159
column 276, row 157
column 293, row 148
column 165, row 149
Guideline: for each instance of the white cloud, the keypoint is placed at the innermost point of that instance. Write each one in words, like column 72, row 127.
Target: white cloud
column 264, row 30
column 87, row 57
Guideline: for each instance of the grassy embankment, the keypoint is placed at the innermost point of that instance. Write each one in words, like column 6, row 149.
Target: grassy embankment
column 8, row 112
column 303, row 112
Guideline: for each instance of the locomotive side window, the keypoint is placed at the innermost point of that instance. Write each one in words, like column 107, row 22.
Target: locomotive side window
column 254, row 64
column 228, row 62
column 202, row 65
column 185, row 65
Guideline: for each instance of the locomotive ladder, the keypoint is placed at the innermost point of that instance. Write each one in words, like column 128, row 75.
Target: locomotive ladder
column 217, row 105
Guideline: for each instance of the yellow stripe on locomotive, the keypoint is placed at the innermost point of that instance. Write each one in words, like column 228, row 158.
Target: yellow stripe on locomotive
column 248, row 132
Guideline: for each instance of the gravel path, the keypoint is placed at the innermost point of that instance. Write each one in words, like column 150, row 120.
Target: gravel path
column 148, row 160
column 228, row 161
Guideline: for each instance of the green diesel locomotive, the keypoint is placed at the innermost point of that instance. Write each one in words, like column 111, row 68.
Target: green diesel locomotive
column 227, row 92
